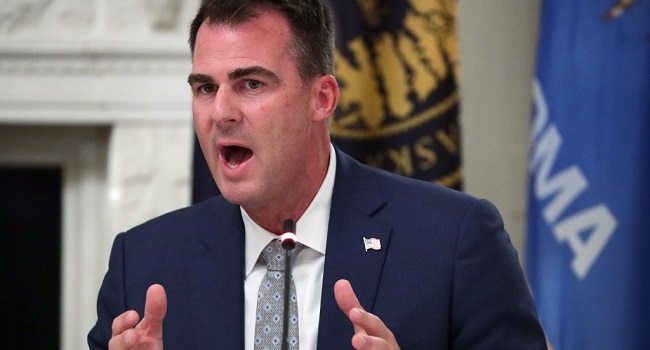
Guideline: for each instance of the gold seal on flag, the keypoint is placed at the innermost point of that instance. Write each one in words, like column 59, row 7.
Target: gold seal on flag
column 398, row 84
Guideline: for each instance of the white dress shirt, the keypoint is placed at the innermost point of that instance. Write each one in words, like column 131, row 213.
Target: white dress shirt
column 311, row 230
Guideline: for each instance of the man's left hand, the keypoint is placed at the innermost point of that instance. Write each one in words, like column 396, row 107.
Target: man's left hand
column 370, row 332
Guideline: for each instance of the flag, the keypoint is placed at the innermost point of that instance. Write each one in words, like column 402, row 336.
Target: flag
column 372, row 243
column 203, row 185
column 396, row 64
column 588, row 243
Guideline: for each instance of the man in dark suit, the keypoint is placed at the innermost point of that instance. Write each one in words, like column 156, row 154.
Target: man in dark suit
column 388, row 262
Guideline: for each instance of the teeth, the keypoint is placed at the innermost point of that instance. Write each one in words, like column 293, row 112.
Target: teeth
column 233, row 166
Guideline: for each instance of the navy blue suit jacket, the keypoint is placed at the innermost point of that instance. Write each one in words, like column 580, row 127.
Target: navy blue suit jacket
column 446, row 276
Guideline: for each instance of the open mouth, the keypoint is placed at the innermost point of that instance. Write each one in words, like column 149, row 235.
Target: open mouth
column 235, row 155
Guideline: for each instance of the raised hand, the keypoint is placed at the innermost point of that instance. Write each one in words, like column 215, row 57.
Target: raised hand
column 370, row 332
column 146, row 335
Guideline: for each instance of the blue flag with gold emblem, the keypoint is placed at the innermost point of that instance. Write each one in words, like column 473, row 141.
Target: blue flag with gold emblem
column 396, row 65
column 588, row 249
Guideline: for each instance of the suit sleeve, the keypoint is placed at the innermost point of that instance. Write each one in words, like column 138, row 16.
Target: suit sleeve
column 111, row 300
column 492, row 307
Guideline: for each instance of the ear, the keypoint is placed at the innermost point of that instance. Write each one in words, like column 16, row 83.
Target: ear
column 325, row 91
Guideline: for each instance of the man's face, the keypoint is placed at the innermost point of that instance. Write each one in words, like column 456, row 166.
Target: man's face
column 252, row 113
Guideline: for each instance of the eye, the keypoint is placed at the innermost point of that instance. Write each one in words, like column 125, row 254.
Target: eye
column 253, row 84
column 207, row 88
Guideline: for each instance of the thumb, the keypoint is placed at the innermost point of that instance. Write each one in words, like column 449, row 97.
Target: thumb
column 155, row 308
column 346, row 299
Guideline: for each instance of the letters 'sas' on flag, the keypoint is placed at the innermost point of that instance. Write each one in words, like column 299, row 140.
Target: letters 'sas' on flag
column 588, row 249
column 396, row 65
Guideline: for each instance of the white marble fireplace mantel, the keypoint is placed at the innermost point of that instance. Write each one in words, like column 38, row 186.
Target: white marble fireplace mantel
column 99, row 88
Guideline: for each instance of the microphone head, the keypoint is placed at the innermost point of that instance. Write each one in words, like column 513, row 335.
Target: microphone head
column 288, row 239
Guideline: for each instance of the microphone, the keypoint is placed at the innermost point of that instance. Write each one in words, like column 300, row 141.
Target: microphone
column 288, row 241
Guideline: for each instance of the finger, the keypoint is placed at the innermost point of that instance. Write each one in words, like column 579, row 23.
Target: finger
column 126, row 320
column 366, row 342
column 155, row 308
column 372, row 325
column 347, row 300
column 123, row 341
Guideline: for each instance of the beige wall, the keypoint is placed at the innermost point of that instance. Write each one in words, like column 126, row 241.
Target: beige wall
column 497, row 54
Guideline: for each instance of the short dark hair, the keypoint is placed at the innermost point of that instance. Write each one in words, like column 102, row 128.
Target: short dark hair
column 310, row 22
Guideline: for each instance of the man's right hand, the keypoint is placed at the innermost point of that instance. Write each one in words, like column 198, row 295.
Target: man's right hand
column 146, row 335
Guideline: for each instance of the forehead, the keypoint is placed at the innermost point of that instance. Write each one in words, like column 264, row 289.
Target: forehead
column 262, row 40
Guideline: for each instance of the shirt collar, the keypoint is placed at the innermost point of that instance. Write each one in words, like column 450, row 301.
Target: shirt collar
column 311, row 228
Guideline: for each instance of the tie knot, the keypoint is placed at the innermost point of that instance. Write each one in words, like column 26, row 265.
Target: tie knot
column 274, row 255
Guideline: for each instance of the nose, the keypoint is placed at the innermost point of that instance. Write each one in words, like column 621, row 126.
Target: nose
column 225, row 107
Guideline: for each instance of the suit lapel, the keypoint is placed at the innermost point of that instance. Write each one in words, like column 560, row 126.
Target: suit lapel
column 356, row 199
column 216, row 280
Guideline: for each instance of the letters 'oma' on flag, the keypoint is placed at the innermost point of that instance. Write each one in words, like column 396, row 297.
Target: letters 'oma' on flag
column 588, row 244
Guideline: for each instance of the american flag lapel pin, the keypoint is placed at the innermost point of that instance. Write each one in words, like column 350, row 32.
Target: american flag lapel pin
column 372, row 243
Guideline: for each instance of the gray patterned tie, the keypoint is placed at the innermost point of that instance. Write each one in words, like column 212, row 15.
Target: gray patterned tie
column 269, row 320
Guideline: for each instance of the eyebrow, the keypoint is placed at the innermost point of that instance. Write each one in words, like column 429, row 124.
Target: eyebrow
column 234, row 75
column 199, row 78
column 254, row 70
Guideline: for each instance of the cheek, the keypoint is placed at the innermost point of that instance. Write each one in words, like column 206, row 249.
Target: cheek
column 201, row 120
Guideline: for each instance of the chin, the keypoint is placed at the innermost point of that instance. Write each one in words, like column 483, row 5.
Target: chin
column 234, row 195
column 231, row 196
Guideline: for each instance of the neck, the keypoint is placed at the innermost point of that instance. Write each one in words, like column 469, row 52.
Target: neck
column 294, row 204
